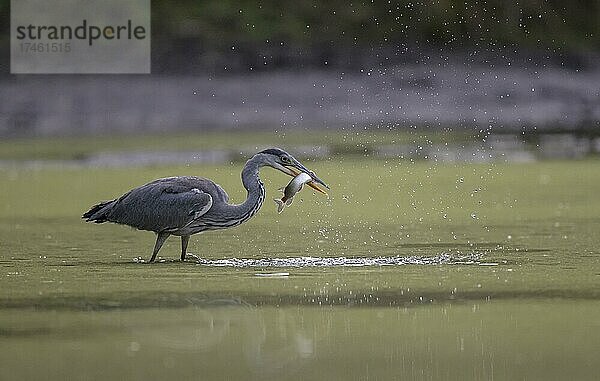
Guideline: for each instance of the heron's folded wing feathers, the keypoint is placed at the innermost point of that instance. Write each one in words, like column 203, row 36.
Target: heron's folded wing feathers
column 161, row 207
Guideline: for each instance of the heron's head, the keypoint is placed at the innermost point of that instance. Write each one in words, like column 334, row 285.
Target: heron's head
column 286, row 163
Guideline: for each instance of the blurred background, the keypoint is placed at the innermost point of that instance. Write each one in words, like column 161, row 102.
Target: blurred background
column 529, row 69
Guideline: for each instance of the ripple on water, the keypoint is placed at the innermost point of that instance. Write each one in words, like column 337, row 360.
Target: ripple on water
column 444, row 258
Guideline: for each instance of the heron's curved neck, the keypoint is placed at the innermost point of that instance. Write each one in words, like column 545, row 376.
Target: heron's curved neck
column 252, row 183
column 256, row 193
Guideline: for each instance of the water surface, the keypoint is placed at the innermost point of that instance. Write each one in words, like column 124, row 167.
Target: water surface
column 485, row 272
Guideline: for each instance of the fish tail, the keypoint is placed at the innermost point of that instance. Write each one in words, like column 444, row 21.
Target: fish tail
column 280, row 204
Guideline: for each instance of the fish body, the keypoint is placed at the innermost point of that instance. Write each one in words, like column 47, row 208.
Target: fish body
column 293, row 187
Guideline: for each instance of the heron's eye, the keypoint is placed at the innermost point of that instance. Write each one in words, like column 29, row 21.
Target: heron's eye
column 286, row 159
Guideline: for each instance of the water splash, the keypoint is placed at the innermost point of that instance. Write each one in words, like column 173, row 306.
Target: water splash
column 447, row 259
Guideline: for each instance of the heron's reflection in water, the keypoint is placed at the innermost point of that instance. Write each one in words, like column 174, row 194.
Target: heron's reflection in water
column 266, row 340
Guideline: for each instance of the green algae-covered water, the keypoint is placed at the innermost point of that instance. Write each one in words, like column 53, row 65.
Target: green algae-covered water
column 408, row 271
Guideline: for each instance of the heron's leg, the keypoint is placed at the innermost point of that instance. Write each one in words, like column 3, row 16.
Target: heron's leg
column 184, row 242
column 160, row 239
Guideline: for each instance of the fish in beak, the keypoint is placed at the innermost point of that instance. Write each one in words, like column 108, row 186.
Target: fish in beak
column 317, row 184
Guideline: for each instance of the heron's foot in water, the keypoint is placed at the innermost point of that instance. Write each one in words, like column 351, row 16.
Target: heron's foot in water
column 192, row 257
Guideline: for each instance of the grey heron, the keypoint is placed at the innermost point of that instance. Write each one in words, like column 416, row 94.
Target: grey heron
column 187, row 205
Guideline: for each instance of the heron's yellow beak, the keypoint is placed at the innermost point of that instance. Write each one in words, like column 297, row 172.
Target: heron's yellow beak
column 311, row 184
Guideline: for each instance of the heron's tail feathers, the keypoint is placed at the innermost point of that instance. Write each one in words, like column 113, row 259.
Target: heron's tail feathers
column 99, row 212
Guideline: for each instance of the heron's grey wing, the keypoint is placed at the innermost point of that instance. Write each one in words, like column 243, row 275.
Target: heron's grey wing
column 182, row 207
column 161, row 206
column 222, row 193
column 205, row 185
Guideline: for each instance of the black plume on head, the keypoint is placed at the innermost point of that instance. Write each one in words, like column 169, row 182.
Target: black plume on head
column 274, row 151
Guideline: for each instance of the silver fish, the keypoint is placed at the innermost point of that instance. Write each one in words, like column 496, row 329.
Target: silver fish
column 293, row 187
